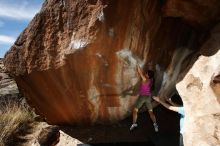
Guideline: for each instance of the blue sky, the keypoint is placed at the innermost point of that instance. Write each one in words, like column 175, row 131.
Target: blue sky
column 15, row 15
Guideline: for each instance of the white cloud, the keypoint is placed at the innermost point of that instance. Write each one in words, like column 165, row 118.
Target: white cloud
column 22, row 11
column 6, row 39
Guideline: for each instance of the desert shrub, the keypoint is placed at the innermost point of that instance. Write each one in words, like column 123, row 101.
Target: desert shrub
column 16, row 121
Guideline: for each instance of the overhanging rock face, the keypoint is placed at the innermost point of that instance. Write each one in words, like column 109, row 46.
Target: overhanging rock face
column 76, row 58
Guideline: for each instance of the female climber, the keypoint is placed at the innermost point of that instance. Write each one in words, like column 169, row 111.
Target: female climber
column 144, row 97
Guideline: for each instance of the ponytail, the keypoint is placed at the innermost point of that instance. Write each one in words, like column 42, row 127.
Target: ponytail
column 150, row 74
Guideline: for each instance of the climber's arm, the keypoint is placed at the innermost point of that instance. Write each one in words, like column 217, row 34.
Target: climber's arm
column 172, row 103
column 173, row 108
column 140, row 72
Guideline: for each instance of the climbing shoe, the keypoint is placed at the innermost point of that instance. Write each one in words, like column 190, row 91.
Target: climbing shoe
column 156, row 127
column 133, row 126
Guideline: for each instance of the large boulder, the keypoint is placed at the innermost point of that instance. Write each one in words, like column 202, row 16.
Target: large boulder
column 76, row 61
column 76, row 58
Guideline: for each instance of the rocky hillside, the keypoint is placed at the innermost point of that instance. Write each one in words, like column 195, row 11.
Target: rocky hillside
column 76, row 61
column 8, row 86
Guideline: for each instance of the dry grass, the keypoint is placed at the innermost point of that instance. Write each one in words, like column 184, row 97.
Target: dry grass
column 16, row 121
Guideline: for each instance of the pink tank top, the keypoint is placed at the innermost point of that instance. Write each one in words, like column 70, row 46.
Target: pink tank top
column 145, row 88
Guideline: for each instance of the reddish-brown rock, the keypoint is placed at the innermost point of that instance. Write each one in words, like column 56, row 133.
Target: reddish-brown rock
column 75, row 58
column 198, row 12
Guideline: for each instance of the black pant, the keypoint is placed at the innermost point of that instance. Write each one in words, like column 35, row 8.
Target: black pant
column 181, row 140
